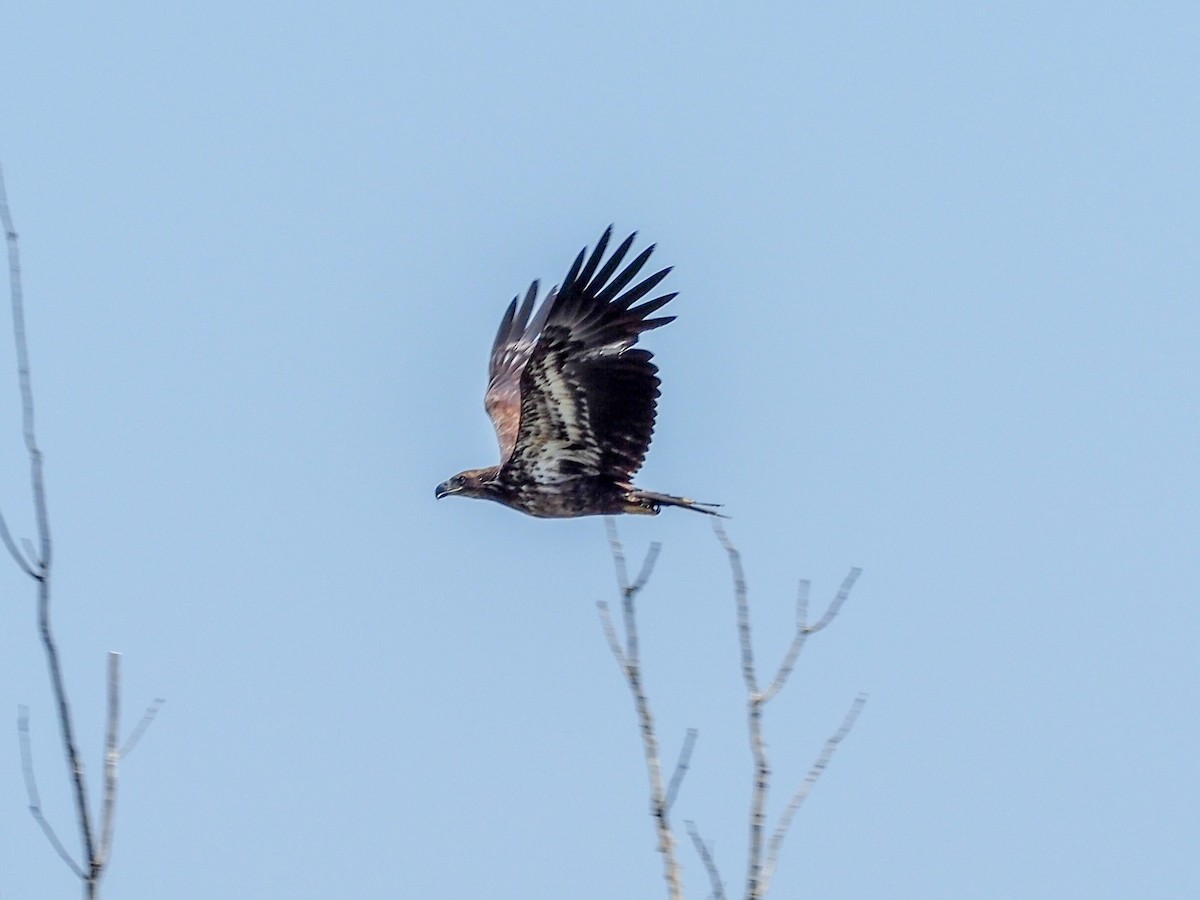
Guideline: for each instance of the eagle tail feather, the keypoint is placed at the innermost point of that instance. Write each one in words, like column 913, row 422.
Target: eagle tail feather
column 648, row 502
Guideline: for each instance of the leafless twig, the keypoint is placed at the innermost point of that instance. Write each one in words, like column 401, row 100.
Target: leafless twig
column 803, row 629
column 40, row 565
column 31, row 789
column 681, row 765
column 763, row 854
column 36, row 563
column 41, row 562
column 136, row 735
column 18, row 558
column 758, row 872
column 716, row 885
column 802, row 792
column 630, row 663
column 112, row 758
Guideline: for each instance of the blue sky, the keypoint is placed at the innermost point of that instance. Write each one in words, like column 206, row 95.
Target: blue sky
column 937, row 267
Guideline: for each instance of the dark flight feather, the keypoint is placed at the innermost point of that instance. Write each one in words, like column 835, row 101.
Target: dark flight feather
column 572, row 400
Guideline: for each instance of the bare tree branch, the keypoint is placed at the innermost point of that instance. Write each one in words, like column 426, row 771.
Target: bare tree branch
column 803, row 629
column 23, row 377
column 30, row 553
column 31, row 789
column 41, row 572
column 802, row 632
column 717, row 886
column 136, row 735
column 610, row 632
column 681, row 765
column 743, row 608
column 112, row 758
column 763, row 854
column 810, row 780
column 836, row 604
column 647, row 567
column 22, row 563
column 758, row 746
column 36, row 563
column 758, row 872
column 630, row 664
column 618, row 553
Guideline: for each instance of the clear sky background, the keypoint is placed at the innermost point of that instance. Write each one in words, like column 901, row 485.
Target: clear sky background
column 938, row 269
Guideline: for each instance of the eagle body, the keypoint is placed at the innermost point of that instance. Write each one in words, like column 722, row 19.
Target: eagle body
column 572, row 400
column 583, row 496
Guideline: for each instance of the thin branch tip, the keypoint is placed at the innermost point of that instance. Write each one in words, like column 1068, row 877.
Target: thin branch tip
column 31, row 791
column 140, row 729
column 630, row 663
column 704, row 851
column 814, row 773
column 682, row 764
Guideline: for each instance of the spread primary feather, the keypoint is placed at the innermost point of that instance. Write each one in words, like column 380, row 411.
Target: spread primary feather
column 572, row 401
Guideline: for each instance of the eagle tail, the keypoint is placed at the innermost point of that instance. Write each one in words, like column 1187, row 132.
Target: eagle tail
column 648, row 503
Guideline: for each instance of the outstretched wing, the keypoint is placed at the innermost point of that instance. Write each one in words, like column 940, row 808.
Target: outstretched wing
column 586, row 398
column 510, row 352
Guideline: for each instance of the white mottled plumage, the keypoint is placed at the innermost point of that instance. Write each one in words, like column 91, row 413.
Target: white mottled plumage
column 573, row 401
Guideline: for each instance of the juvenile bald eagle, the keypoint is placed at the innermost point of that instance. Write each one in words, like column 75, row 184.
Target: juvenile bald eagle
column 572, row 402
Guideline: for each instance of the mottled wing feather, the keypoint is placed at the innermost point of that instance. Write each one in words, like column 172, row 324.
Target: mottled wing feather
column 510, row 351
column 587, row 399
column 555, row 442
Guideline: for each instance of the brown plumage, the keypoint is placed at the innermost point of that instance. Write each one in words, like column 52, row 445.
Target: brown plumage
column 572, row 401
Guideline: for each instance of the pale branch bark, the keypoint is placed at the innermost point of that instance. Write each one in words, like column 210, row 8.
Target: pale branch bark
column 610, row 632
column 758, row 871
column 803, row 629
column 743, row 609
column 629, row 661
column 112, row 758
column 681, row 765
column 793, row 653
column 42, row 559
column 36, row 563
column 762, row 766
column 136, row 734
column 31, row 790
column 22, row 563
column 802, row 792
column 716, row 885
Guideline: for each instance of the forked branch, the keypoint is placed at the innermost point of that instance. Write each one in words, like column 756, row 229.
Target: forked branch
column 629, row 660
column 763, row 855
column 802, row 792
column 716, row 885
column 762, row 860
column 36, row 563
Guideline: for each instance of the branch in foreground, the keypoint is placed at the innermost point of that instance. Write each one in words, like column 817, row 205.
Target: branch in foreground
column 136, row 735
column 112, row 758
column 31, row 790
column 629, row 661
column 802, row 792
column 763, row 855
column 758, row 872
column 717, row 886
column 36, row 563
column 39, row 568
column 681, row 765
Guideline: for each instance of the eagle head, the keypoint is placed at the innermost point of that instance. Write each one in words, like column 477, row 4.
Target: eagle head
column 472, row 483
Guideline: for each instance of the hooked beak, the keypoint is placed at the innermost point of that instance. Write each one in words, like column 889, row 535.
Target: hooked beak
column 445, row 489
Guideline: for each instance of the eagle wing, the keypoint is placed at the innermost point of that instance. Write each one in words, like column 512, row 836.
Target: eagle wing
column 510, row 352
column 569, row 395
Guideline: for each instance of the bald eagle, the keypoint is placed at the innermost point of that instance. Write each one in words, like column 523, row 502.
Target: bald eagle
column 572, row 401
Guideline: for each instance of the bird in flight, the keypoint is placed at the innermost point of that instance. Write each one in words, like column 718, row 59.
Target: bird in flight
column 572, row 400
